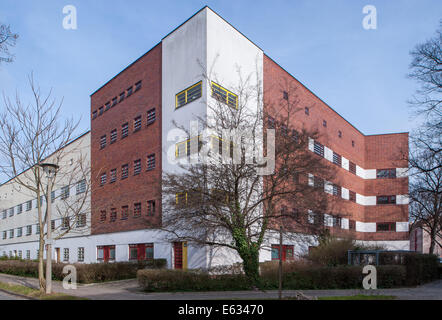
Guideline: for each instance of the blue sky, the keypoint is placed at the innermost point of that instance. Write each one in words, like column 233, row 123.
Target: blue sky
column 360, row 73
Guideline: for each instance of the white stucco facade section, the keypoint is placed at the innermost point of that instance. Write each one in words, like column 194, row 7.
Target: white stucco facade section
column 311, row 144
column 328, row 154
column 402, row 226
column 365, row 200
column 365, row 226
column 345, row 163
column 401, row 172
column 360, row 172
column 370, row 173
column 345, row 223
column 14, row 196
column 345, row 194
column 183, row 65
column 402, row 199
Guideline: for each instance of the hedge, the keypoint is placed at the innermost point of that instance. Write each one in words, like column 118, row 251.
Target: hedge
column 342, row 277
column 86, row 273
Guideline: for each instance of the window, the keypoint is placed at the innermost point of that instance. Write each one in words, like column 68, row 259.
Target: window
column 352, row 196
column 20, row 254
column 151, row 116
column 352, row 167
column 66, row 254
column 4, row 214
column 225, row 96
column 151, row 207
column 340, row 134
column 137, row 123
column 181, row 198
column 188, row 95
column 137, row 167
column 102, row 215
column 29, row 205
column 285, row 95
column 103, row 179
column 19, row 208
column 100, row 111
column 80, row 254
column 271, row 122
column 107, row 106
column 106, row 253
column 52, row 196
column 352, row 225
column 37, row 229
column 53, row 225
column 103, row 142
column 29, row 230
column 19, row 232
column 318, row 149
column 4, row 235
column 318, row 183
column 11, row 233
column 122, row 96
column 11, row 212
column 386, row 173
column 28, row 254
column 324, row 123
column 337, row 159
column 81, row 220
column 141, row 251
column 284, row 130
column 336, row 222
column 337, row 190
column 287, row 252
column 124, row 130
column 307, row 110
column 65, row 223
column 113, row 215
column 386, row 200
column 151, row 162
column 114, row 101
column 385, row 226
column 129, row 91
column 124, row 171
column 353, row 143
column 81, row 187
column 65, row 192
column 113, row 136
column 124, row 212
column 94, row 115
column 137, row 86
column 113, row 176
column 137, row 209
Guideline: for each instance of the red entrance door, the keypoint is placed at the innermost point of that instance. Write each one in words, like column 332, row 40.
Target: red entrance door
column 178, row 255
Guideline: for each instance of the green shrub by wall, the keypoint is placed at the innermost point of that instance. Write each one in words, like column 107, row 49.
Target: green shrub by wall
column 86, row 273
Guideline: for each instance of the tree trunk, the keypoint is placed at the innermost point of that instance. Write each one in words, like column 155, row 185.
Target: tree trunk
column 250, row 258
column 41, row 277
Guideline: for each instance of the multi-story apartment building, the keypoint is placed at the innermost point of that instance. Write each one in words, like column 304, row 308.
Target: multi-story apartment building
column 134, row 114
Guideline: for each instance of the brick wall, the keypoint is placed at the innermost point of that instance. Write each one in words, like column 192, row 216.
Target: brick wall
column 137, row 145
column 368, row 152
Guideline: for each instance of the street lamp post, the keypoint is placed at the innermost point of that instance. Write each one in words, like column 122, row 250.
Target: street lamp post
column 50, row 170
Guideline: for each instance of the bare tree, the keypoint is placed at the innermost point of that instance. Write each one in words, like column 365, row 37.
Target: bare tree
column 426, row 195
column 221, row 198
column 426, row 69
column 7, row 39
column 34, row 133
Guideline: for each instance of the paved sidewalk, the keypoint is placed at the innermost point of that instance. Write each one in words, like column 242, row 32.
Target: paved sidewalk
column 129, row 290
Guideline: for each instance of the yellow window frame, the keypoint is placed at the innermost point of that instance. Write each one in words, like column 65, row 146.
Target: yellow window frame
column 186, row 91
column 229, row 94
column 186, row 142
column 177, row 195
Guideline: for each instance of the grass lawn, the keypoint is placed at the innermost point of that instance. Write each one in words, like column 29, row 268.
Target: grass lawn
column 359, row 297
column 34, row 293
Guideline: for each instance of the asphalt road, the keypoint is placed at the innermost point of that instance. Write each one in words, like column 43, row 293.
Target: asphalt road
column 5, row 296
